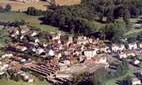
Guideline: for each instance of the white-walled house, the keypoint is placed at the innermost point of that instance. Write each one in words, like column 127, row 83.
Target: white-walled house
column 51, row 53
column 21, row 48
column 140, row 44
column 64, row 64
column 3, row 68
column 132, row 46
column 82, row 40
column 7, row 56
column 34, row 33
column 126, row 54
column 116, row 48
column 57, row 36
column 101, row 60
column 40, row 51
column 65, row 76
column 105, row 49
column 136, row 81
column 136, row 62
column 26, row 77
column 90, row 53
column 131, row 54
column 37, row 40
column 122, row 55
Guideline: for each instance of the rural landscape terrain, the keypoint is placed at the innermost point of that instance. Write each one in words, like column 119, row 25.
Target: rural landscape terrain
column 70, row 42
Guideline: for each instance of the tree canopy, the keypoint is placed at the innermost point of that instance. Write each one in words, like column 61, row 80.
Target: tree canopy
column 79, row 18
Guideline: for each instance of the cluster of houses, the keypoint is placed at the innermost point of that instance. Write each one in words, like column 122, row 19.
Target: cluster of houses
column 66, row 51
column 60, row 51
column 25, row 76
column 3, row 68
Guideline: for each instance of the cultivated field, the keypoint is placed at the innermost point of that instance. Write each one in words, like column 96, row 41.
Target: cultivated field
column 19, row 6
column 67, row 2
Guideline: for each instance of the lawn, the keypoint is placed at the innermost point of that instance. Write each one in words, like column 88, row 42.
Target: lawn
column 31, row 20
column 133, row 32
column 11, row 82
column 113, row 81
column 13, row 16
column 98, row 25
column 45, row 28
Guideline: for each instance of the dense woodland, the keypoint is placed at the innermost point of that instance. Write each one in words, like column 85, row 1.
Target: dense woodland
column 79, row 18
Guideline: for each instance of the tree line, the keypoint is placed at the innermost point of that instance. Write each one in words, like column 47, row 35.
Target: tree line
column 79, row 18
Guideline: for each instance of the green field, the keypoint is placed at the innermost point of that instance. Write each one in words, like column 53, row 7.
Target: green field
column 14, row 16
column 11, row 82
column 45, row 28
column 31, row 20
column 133, row 32
column 113, row 81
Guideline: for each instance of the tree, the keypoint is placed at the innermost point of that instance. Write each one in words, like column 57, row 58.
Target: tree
column 78, row 18
column 4, row 37
column 33, row 11
column 114, row 31
column 8, row 7
column 126, row 16
column 126, row 81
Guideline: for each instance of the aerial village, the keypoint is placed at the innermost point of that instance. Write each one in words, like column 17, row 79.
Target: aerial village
column 58, row 57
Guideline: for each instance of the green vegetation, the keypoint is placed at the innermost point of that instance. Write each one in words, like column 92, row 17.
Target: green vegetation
column 114, row 31
column 34, row 12
column 14, row 16
column 80, row 18
column 3, row 37
column 133, row 32
column 45, row 28
column 11, row 82
column 108, row 76
column 30, row 20
column 113, row 81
